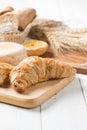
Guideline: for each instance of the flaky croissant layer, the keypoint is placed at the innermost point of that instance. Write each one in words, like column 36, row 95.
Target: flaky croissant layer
column 5, row 69
column 35, row 69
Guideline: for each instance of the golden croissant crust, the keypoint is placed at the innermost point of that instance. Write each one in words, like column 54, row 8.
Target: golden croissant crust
column 35, row 69
column 5, row 69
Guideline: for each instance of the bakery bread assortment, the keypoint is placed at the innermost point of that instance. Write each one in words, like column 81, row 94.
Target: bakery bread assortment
column 35, row 69
column 10, row 26
column 35, row 47
column 24, row 16
column 22, row 65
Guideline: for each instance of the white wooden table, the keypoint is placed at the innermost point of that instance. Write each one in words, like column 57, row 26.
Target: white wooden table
column 68, row 109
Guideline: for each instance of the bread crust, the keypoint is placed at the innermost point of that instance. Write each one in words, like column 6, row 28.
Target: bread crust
column 6, row 10
column 12, row 53
column 4, row 73
column 35, row 47
column 35, row 69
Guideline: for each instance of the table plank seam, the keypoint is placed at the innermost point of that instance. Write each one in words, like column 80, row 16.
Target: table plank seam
column 41, row 118
column 82, row 90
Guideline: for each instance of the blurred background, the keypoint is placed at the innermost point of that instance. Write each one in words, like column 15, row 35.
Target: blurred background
column 65, row 10
column 59, row 9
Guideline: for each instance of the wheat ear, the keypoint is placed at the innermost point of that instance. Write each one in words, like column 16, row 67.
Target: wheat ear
column 61, row 44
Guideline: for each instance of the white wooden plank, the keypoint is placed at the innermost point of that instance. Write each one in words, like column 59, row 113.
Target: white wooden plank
column 83, row 82
column 15, row 118
column 67, row 112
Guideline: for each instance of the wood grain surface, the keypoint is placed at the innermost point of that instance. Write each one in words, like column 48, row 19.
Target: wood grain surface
column 36, row 95
column 76, row 59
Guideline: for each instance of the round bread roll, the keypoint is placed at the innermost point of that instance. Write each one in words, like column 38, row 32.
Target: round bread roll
column 35, row 47
column 12, row 53
column 6, row 9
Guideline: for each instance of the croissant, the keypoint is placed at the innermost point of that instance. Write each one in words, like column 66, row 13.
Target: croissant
column 35, row 69
column 5, row 69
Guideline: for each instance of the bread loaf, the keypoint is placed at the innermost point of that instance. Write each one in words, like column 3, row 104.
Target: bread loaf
column 24, row 16
column 12, row 53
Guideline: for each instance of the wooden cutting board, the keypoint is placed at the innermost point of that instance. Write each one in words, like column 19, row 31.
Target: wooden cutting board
column 76, row 59
column 36, row 95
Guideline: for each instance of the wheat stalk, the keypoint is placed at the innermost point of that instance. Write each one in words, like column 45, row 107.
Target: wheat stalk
column 61, row 44
column 61, row 38
column 76, row 31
